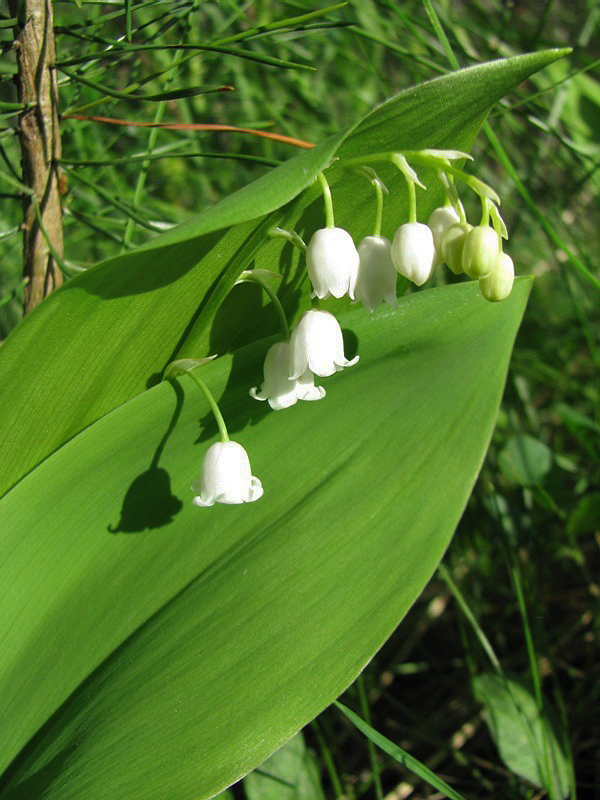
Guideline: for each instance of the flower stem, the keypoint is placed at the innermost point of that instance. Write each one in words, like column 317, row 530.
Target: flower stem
column 285, row 328
column 213, row 405
column 329, row 223
column 379, row 210
column 485, row 211
column 432, row 162
column 412, row 202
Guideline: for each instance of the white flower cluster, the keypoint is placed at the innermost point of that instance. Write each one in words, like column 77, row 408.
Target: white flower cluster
column 316, row 347
column 477, row 251
column 366, row 274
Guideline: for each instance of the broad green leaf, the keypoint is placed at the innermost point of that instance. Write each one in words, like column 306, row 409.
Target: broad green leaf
column 527, row 740
column 108, row 334
column 291, row 773
column 153, row 649
column 525, row 460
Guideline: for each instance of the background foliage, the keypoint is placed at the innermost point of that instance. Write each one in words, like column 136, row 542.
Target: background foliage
column 520, row 575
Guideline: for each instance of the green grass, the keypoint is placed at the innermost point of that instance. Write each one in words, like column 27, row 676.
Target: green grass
column 520, row 578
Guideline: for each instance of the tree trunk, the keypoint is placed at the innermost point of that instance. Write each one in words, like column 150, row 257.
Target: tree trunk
column 39, row 136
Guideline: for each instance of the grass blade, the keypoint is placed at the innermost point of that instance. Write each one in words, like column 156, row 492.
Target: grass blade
column 400, row 755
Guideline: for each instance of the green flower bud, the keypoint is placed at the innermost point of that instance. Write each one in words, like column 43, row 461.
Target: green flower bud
column 453, row 241
column 498, row 284
column 482, row 248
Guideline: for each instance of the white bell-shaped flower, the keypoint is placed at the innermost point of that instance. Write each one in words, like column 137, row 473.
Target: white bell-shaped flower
column 413, row 252
column 480, row 251
column 377, row 276
column 438, row 223
column 226, row 477
column 278, row 388
column 317, row 344
column 498, row 284
column 332, row 263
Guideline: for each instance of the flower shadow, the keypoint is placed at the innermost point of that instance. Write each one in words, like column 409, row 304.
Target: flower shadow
column 149, row 503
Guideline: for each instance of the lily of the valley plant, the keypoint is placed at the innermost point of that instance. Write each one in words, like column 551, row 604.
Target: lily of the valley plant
column 367, row 274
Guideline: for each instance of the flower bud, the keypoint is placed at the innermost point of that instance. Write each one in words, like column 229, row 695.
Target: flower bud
column 453, row 242
column 332, row 263
column 498, row 284
column 480, row 252
column 377, row 275
column 413, row 252
column 439, row 222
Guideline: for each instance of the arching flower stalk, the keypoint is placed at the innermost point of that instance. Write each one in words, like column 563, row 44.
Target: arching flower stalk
column 377, row 276
column 225, row 473
column 413, row 250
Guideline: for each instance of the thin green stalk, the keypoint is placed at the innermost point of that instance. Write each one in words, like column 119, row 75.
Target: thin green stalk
column 157, row 156
column 152, row 138
column 55, row 255
column 399, row 755
column 535, row 676
column 15, row 183
column 588, row 330
column 554, row 237
column 328, row 761
column 113, row 201
column 485, row 211
column 280, row 25
column 285, row 328
column 246, row 55
column 13, row 294
column 88, row 220
column 412, row 201
column 141, row 181
column 483, row 640
column 128, row 19
column 365, row 711
column 379, row 208
column 10, row 232
column 329, row 221
column 439, row 32
column 213, row 406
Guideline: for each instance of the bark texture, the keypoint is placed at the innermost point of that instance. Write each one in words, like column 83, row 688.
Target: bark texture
column 39, row 136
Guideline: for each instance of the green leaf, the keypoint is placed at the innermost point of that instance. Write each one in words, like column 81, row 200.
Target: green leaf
column 153, row 649
column 527, row 740
column 291, row 773
column 525, row 460
column 110, row 332
column 586, row 516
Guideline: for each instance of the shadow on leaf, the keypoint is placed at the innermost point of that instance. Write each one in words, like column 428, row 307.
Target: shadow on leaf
column 149, row 502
